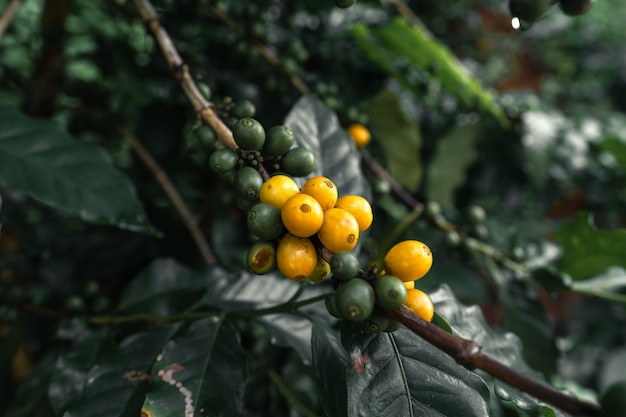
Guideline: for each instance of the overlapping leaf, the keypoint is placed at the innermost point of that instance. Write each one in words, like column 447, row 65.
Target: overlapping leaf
column 418, row 379
column 41, row 160
column 202, row 372
column 116, row 385
column 399, row 42
column 317, row 128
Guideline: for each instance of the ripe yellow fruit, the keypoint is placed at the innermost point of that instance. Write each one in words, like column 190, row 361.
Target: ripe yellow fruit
column 360, row 134
column 360, row 208
column 323, row 190
column 296, row 257
column 277, row 190
column 302, row 215
column 409, row 260
column 339, row 231
column 409, row 285
column 420, row 303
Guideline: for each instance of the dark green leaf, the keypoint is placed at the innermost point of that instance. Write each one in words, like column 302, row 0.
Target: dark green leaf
column 615, row 147
column 418, row 379
column 400, row 48
column 330, row 362
column 31, row 399
column 164, row 287
column 201, row 372
column 453, row 155
column 116, row 385
column 400, row 138
column 468, row 322
column 589, row 251
column 41, row 160
column 248, row 291
column 317, row 128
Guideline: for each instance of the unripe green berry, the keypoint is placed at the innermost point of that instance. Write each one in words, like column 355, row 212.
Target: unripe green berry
column 243, row 109
column 344, row 265
column 390, row 291
column 248, row 183
column 223, row 160
column 261, row 257
column 355, row 299
column 278, row 141
column 264, row 221
column 249, row 134
column 476, row 214
column 378, row 321
column 298, row 162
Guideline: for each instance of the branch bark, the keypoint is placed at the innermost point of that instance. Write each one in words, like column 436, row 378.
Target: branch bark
column 203, row 108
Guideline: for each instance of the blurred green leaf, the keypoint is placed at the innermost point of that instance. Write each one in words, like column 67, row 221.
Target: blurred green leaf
column 317, row 128
column 116, row 385
column 399, row 137
column 203, row 371
column 589, row 251
column 31, row 399
column 399, row 42
column 418, row 379
column 611, row 285
column 163, row 287
column 454, row 153
column 468, row 322
column 330, row 362
column 41, row 160
column 615, row 147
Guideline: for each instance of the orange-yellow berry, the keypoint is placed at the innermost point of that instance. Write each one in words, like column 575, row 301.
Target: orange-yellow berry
column 302, row 215
column 360, row 134
column 409, row 260
column 339, row 231
column 360, row 208
column 296, row 257
column 420, row 303
column 277, row 190
column 323, row 190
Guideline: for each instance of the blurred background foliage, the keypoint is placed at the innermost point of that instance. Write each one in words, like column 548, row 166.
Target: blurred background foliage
column 560, row 87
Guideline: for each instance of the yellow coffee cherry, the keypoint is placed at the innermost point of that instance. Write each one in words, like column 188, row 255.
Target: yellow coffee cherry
column 323, row 190
column 360, row 208
column 360, row 134
column 409, row 260
column 321, row 272
column 420, row 303
column 296, row 257
column 302, row 215
column 277, row 190
column 339, row 231
column 409, row 285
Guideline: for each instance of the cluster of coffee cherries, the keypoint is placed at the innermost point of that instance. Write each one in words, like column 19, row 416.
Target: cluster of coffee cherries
column 292, row 223
column 530, row 11
column 362, row 296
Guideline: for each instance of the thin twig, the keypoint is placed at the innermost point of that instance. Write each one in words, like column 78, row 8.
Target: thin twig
column 171, row 192
column 8, row 14
column 201, row 106
column 468, row 354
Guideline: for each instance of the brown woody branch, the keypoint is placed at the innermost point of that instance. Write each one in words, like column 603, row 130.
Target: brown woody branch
column 203, row 108
column 171, row 192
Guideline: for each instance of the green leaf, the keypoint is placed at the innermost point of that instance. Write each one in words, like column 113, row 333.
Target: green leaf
column 589, row 251
column 163, row 287
column 330, row 362
column 317, row 128
column 116, row 385
column 418, row 379
column 39, row 159
column 468, row 322
column 453, row 155
column 201, row 372
column 399, row 137
column 615, row 147
column 610, row 285
column 31, row 399
column 401, row 49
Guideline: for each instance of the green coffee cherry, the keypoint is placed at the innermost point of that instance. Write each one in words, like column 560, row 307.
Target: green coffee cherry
column 576, row 7
column 344, row 3
column 344, row 265
column 392, row 325
column 390, row 291
column 355, row 299
column 378, row 321
column 298, row 162
column 278, row 141
column 476, row 214
column 264, row 221
column 261, row 257
column 249, row 134
column 331, row 306
column 222, row 161
column 321, row 272
column 529, row 10
column 248, row 182
column 244, row 109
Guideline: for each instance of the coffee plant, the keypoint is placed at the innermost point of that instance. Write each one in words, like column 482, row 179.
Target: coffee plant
column 312, row 208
